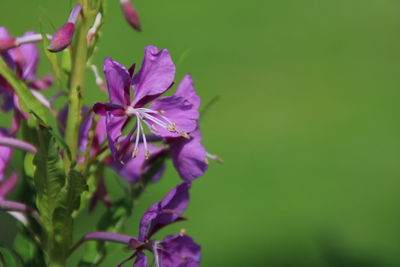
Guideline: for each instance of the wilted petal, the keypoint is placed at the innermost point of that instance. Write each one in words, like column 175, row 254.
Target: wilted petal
column 179, row 111
column 118, row 82
column 177, row 250
column 134, row 168
column 186, row 90
column 189, row 156
column 154, row 77
column 8, row 185
column 165, row 212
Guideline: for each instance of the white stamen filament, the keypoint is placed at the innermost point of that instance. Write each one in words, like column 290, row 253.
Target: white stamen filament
column 213, row 157
column 136, row 148
column 144, row 113
column 158, row 113
column 147, row 152
column 156, row 254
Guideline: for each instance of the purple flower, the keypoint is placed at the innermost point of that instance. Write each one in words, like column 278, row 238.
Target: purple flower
column 168, row 117
column 134, row 170
column 173, row 250
column 23, row 60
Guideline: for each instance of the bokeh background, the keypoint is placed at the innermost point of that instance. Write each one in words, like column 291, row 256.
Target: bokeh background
column 307, row 123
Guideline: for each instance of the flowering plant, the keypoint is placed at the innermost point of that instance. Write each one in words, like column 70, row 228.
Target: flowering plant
column 66, row 151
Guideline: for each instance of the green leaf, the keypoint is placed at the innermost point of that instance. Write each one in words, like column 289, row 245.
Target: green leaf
column 49, row 178
column 69, row 201
column 27, row 100
column 29, row 252
column 93, row 175
column 7, row 258
column 28, row 165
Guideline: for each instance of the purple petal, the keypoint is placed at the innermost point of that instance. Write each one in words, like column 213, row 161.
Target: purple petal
column 114, row 127
column 118, row 82
column 189, row 156
column 177, row 250
column 165, row 212
column 4, row 33
column 4, row 38
column 154, row 77
column 179, row 111
column 99, row 135
column 141, row 260
column 27, row 57
column 103, row 108
column 84, row 130
column 186, row 90
column 134, row 168
column 8, row 185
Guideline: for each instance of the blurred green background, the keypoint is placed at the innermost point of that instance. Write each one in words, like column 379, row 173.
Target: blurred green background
column 307, row 123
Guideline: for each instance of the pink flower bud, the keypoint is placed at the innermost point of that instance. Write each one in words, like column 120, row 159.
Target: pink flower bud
column 130, row 14
column 7, row 43
column 62, row 38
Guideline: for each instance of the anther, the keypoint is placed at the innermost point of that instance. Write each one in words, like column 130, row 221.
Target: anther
column 135, row 152
column 184, row 134
column 182, row 232
column 154, row 128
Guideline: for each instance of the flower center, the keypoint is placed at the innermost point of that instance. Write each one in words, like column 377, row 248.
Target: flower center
column 156, row 117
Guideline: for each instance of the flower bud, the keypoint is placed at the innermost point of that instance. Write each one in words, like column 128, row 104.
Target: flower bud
column 63, row 36
column 7, row 43
column 130, row 14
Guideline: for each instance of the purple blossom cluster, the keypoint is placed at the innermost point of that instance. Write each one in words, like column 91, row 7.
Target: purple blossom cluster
column 134, row 133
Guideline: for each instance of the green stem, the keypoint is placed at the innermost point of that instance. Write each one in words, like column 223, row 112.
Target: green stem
column 79, row 59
